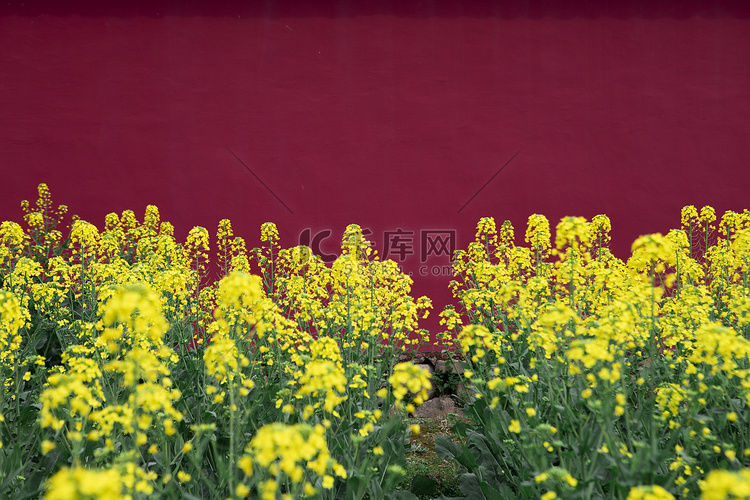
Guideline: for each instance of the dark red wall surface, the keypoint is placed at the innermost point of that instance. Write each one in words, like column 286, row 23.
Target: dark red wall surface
column 392, row 114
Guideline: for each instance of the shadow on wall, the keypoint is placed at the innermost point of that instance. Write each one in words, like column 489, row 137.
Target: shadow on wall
column 503, row 9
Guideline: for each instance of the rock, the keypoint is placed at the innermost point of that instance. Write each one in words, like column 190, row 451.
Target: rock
column 421, row 359
column 444, row 365
column 426, row 366
column 438, row 407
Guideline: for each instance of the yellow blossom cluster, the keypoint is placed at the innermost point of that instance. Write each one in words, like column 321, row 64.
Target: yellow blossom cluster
column 575, row 339
column 652, row 492
column 726, row 485
column 13, row 317
column 159, row 377
column 158, row 381
column 297, row 452
column 85, row 484
column 410, row 378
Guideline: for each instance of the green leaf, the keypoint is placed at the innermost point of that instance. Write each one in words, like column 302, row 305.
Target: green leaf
column 471, row 488
column 355, row 487
column 491, row 493
column 50, row 461
column 9, row 477
column 423, row 485
column 376, row 490
column 485, row 455
column 446, row 448
column 404, row 495
column 190, row 496
column 505, row 492
column 460, row 428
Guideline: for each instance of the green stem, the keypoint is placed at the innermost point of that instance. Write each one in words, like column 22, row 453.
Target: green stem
column 232, row 411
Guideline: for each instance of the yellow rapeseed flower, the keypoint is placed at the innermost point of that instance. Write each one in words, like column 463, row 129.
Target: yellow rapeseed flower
column 79, row 482
column 515, row 426
column 725, row 485
column 652, row 492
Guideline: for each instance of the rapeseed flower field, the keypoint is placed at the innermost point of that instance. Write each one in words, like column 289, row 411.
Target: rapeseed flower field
column 128, row 373
column 598, row 378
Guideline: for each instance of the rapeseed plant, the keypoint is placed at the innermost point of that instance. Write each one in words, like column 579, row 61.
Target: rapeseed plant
column 639, row 366
column 128, row 372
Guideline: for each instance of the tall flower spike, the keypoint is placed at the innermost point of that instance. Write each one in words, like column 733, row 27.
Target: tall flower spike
column 486, row 231
column 269, row 233
column 538, row 235
column 354, row 243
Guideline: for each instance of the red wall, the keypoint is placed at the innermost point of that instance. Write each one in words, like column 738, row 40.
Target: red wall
column 387, row 113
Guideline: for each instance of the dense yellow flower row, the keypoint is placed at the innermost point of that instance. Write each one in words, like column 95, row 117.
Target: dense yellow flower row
column 571, row 335
column 156, row 380
column 164, row 378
